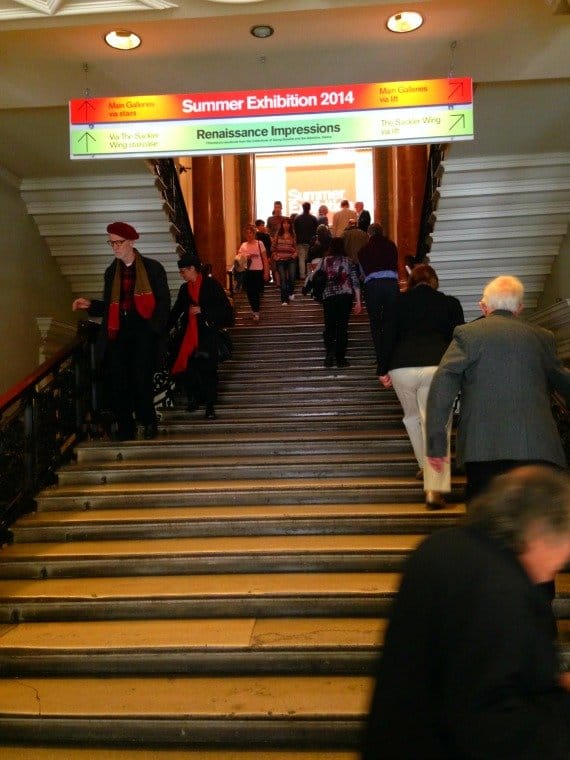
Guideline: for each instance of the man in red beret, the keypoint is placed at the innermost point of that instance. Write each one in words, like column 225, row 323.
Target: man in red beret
column 135, row 308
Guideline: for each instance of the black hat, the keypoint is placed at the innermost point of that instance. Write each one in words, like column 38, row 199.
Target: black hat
column 189, row 260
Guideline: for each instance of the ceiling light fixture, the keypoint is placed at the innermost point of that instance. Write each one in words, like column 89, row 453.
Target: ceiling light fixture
column 261, row 31
column 406, row 21
column 121, row 39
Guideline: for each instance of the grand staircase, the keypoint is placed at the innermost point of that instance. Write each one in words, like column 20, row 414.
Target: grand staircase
column 221, row 591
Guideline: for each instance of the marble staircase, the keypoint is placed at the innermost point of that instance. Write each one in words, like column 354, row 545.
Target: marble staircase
column 222, row 590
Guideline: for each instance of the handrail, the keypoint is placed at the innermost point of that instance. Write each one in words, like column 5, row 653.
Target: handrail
column 175, row 205
column 19, row 390
column 41, row 418
column 432, row 181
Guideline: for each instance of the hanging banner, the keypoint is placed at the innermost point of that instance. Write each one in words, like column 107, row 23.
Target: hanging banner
column 309, row 118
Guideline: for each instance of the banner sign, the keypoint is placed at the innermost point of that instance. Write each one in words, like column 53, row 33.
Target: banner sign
column 308, row 118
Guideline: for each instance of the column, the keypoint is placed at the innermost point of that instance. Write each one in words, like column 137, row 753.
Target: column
column 208, row 213
column 245, row 191
column 399, row 181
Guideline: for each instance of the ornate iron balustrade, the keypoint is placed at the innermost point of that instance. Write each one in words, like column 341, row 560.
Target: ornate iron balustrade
column 41, row 419
column 433, row 180
column 169, row 185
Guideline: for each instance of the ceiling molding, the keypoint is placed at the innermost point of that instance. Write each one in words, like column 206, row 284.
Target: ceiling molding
column 12, row 10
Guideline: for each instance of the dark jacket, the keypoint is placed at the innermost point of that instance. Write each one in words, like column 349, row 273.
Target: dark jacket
column 216, row 312
column 305, row 226
column 505, row 370
column 379, row 254
column 363, row 222
column 421, row 329
column 469, row 665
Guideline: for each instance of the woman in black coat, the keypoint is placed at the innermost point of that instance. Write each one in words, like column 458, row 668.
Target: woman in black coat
column 411, row 346
column 201, row 308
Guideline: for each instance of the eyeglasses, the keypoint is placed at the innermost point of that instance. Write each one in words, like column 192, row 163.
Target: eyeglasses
column 113, row 243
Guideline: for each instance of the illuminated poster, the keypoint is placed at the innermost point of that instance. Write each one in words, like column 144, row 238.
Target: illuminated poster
column 326, row 184
column 306, row 118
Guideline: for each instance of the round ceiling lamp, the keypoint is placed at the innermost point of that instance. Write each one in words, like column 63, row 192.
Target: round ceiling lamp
column 261, row 31
column 121, row 39
column 406, row 21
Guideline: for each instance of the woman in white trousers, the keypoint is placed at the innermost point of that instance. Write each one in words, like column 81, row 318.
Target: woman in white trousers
column 415, row 337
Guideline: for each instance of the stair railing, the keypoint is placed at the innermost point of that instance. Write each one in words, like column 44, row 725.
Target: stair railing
column 168, row 183
column 432, row 182
column 41, row 419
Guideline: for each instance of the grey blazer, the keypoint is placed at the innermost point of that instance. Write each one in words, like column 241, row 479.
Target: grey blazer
column 505, row 370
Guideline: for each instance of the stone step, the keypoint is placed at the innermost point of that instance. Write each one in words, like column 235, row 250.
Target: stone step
column 307, row 712
column 21, row 752
column 271, row 412
column 205, row 596
column 360, row 377
column 348, row 646
column 208, row 555
column 322, row 394
column 204, row 493
column 232, row 520
column 198, row 596
column 284, row 466
column 181, row 423
column 247, row 444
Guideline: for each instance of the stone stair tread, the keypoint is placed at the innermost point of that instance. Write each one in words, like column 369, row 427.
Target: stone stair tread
column 191, row 442
column 233, row 460
column 92, row 753
column 232, row 512
column 261, row 697
column 221, row 586
column 210, row 546
column 263, row 634
column 231, row 486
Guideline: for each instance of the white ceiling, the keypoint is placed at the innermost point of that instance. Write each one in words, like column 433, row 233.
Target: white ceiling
column 54, row 53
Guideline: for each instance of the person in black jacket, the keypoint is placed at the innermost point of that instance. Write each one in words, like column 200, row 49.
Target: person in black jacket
column 201, row 308
column 470, row 668
column 135, row 306
column 411, row 346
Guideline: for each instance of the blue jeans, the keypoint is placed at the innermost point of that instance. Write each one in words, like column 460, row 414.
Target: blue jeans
column 287, row 270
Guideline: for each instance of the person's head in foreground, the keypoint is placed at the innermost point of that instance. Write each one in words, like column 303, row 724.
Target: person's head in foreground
column 528, row 511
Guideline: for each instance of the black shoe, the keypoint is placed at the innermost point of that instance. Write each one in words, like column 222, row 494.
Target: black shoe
column 150, row 431
column 210, row 414
column 329, row 361
column 124, row 434
column 342, row 363
column 434, row 500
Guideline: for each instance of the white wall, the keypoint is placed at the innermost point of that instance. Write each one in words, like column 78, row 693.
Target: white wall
column 31, row 286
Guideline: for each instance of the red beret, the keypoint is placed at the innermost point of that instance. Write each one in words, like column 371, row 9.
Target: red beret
column 124, row 230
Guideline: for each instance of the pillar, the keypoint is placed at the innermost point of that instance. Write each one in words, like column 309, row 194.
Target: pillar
column 208, row 213
column 399, row 181
column 245, row 191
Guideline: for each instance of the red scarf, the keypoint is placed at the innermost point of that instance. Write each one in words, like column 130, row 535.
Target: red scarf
column 144, row 299
column 190, row 340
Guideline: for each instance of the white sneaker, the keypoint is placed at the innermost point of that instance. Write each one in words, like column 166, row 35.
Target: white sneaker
column 291, row 297
column 284, row 303
column 256, row 317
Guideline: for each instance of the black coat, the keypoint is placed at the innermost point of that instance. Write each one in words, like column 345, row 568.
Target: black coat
column 159, row 286
column 216, row 312
column 421, row 329
column 364, row 220
column 469, row 664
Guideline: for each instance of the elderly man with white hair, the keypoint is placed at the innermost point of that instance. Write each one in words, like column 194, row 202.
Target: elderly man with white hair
column 505, row 370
